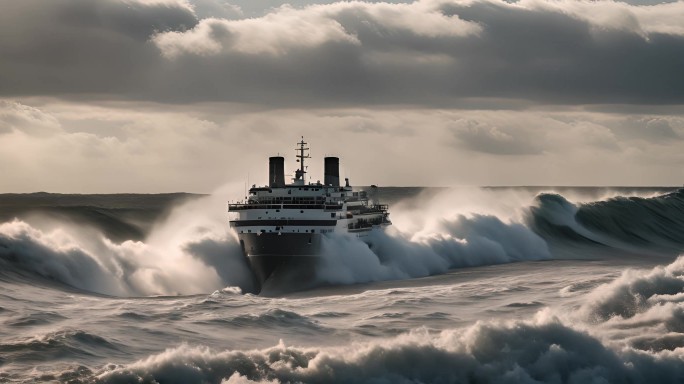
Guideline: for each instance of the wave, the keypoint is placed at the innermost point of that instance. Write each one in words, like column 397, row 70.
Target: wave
column 58, row 344
column 553, row 346
column 652, row 225
column 100, row 266
column 648, row 301
column 542, row 350
column 276, row 318
column 192, row 250
column 460, row 242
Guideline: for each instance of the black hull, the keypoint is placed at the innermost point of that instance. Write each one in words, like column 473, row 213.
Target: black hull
column 285, row 256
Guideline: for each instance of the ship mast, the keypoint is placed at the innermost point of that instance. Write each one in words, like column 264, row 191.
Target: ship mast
column 299, row 174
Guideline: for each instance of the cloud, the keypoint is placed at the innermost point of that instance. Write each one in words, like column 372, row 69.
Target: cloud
column 434, row 53
column 134, row 147
column 274, row 34
column 491, row 139
column 83, row 47
column 521, row 133
column 17, row 117
column 656, row 129
column 217, row 8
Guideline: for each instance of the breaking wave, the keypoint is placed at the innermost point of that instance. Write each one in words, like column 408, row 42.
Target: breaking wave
column 541, row 350
column 642, row 308
column 554, row 346
column 651, row 225
column 461, row 242
column 193, row 251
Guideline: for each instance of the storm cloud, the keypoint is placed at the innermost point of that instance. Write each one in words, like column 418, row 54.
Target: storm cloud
column 429, row 53
column 169, row 95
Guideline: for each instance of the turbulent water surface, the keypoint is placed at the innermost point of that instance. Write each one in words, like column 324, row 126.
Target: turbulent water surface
column 470, row 285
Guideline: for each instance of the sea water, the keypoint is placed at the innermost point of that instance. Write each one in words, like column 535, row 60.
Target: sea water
column 470, row 285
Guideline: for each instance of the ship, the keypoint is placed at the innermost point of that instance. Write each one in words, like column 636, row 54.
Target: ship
column 281, row 226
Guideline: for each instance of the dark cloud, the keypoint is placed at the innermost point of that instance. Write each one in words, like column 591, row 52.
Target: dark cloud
column 542, row 55
column 79, row 46
column 341, row 54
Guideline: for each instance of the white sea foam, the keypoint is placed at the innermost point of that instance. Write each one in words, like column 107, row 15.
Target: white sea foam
column 540, row 350
column 551, row 347
column 190, row 252
column 194, row 251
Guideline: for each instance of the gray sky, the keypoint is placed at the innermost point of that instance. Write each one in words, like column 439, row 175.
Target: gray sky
column 172, row 95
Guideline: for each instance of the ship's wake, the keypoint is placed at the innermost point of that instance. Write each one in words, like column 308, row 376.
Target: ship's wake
column 193, row 251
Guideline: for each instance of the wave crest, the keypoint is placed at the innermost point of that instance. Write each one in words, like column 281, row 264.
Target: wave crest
column 544, row 350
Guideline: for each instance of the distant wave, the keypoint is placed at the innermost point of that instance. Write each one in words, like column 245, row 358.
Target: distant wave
column 654, row 224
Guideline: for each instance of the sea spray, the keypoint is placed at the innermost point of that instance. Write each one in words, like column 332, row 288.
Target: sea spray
column 126, row 269
column 460, row 242
column 192, row 251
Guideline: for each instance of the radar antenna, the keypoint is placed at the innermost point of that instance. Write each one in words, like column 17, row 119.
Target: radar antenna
column 299, row 174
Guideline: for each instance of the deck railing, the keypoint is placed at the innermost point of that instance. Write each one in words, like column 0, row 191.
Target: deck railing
column 247, row 206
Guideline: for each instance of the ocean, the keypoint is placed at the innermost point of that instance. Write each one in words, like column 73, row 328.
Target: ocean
column 469, row 285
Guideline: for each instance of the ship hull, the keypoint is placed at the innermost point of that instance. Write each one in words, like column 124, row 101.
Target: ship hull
column 286, row 255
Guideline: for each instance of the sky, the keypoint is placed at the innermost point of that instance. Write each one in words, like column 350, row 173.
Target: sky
column 186, row 95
